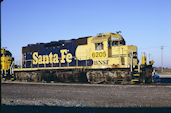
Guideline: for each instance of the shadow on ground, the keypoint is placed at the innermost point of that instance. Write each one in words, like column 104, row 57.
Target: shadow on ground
column 60, row 109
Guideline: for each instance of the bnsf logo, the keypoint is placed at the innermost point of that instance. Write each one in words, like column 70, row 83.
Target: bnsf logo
column 52, row 58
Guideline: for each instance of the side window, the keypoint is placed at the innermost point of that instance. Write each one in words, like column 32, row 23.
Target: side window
column 115, row 43
column 99, row 46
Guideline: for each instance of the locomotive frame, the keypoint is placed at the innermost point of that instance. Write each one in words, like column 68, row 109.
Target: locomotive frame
column 104, row 58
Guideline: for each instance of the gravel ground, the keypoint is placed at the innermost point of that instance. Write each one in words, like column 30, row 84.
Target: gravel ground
column 85, row 95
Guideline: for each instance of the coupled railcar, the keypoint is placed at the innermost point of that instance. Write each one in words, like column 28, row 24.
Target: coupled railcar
column 7, row 62
column 104, row 58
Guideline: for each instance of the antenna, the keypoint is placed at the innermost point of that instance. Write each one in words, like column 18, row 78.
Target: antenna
column 149, row 55
column 118, row 32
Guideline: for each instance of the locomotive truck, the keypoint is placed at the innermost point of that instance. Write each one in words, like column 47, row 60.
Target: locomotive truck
column 104, row 58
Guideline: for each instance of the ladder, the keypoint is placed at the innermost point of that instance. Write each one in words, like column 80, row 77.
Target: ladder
column 136, row 73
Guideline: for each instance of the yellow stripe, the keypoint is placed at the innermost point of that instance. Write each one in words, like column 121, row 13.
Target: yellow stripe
column 136, row 74
column 134, row 80
column 135, row 69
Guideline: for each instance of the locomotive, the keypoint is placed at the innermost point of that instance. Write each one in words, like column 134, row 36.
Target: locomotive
column 7, row 65
column 104, row 58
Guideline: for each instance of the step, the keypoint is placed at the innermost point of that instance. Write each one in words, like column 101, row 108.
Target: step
column 136, row 74
column 135, row 80
column 135, row 69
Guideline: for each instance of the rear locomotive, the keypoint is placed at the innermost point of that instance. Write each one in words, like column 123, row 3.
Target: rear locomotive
column 104, row 58
column 7, row 65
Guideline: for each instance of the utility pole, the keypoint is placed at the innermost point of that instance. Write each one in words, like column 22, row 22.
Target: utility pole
column 162, row 47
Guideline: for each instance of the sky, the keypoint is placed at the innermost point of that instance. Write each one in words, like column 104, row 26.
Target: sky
column 144, row 23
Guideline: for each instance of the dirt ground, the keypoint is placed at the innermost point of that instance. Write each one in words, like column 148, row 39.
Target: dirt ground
column 85, row 95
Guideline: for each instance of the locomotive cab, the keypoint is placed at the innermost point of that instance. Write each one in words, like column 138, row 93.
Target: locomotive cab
column 108, row 50
column 118, row 53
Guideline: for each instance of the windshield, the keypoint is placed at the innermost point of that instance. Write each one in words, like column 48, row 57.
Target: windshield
column 115, row 43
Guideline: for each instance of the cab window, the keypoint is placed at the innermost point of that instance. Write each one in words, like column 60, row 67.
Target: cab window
column 115, row 43
column 122, row 43
column 99, row 46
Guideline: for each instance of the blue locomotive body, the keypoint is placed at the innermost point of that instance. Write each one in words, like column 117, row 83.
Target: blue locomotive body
column 45, row 54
